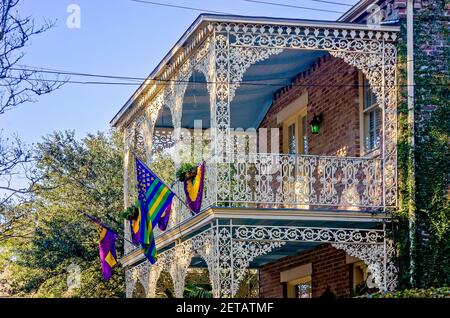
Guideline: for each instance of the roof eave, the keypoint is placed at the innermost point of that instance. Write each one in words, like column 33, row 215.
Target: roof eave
column 354, row 12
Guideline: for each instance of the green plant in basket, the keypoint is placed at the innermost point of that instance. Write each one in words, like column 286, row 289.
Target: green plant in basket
column 186, row 171
column 131, row 213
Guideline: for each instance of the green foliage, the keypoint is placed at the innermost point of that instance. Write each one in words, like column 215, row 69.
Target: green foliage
column 432, row 131
column 442, row 292
column 184, row 171
column 164, row 166
column 53, row 236
column 197, row 285
column 425, row 195
column 130, row 213
column 405, row 165
column 195, row 291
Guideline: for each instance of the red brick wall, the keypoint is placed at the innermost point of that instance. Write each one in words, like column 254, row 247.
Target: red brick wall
column 329, row 268
column 332, row 87
column 393, row 9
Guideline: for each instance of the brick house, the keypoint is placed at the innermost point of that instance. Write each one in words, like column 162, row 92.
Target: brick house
column 297, row 124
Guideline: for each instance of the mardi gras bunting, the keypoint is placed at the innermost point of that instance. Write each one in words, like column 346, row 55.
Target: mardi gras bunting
column 193, row 189
column 135, row 225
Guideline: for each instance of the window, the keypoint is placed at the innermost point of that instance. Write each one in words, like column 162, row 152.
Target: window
column 297, row 282
column 358, row 275
column 299, row 288
column 303, row 290
column 292, row 139
column 370, row 118
column 294, row 134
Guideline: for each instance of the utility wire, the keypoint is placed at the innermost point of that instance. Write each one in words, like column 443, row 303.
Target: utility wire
column 27, row 68
column 179, row 7
column 244, row 83
column 83, row 74
column 336, row 3
column 221, row 12
column 62, row 72
column 293, row 6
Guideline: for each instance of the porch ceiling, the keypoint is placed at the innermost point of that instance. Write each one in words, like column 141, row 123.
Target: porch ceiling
column 253, row 99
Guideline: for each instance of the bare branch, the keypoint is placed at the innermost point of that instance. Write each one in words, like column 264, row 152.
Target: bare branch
column 19, row 86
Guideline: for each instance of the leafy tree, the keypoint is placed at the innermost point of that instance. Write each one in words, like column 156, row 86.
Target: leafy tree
column 54, row 236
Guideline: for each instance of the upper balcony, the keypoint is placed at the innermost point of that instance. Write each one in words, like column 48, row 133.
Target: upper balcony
column 240, row 93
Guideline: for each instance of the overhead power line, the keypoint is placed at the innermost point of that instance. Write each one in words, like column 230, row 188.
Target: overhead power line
column 293, row 6
column 62, row 72
column 25, row 68
column 179, row 7
column 333, row 2
column 243, row 83
column 138, row 81
column 228, row 13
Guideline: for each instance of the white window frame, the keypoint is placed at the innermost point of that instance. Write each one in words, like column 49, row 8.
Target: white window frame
column 374, row 152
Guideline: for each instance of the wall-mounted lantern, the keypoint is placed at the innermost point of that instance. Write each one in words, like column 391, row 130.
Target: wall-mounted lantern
column 315, row 123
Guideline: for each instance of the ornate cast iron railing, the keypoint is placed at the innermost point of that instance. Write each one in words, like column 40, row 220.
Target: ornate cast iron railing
column 281, row 180
column 286, row 181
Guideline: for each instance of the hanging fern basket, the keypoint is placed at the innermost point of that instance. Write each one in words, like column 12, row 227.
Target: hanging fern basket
column 131, row 213
column 186, row 172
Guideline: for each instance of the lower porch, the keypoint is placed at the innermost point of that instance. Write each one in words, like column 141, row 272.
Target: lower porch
column 228, row 242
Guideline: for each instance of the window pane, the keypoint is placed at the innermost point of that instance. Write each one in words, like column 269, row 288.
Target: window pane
column 304, row 290
column 292, row 141
column 378, row 126
column 369, row 96
column 305, row 140
column 372, row 124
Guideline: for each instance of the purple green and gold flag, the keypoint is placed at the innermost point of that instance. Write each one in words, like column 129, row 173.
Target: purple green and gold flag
column 107, row 248
column 135, row 226
column 154, row 198
column 193, row 189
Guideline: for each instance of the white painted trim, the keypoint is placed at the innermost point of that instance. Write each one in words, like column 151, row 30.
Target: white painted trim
column 296, row 273
column 355, row 12
column 293, row 108
column 297, row 22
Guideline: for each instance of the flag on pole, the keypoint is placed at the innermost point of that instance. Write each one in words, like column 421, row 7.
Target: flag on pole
column 107, row 248
column 154, row 198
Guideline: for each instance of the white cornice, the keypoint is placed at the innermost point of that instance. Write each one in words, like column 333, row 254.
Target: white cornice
column 354, row 12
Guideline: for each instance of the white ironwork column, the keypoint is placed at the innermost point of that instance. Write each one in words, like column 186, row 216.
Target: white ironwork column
column 179, row 266
column 128, row 135
column 153, row 276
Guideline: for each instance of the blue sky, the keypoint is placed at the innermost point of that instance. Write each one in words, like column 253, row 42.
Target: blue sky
column 116, row 37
